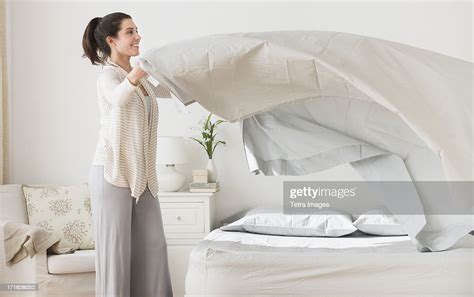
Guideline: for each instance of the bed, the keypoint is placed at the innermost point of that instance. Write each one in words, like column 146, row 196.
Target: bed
column 228, row 264
column 311, row 100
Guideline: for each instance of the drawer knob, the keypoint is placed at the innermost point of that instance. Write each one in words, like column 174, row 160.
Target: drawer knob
column 178, row 218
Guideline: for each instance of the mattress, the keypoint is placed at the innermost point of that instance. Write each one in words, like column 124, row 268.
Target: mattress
column 244, row 264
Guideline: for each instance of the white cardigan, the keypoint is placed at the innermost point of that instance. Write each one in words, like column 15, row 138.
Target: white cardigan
column 127, row 143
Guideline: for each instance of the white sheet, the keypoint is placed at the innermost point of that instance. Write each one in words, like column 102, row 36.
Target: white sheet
column 236, row 76
column 239, row 75
column 244, row 264
column 315, row 134
column 357, row 240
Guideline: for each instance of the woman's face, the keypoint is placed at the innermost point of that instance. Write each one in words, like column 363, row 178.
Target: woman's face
column 127, row 40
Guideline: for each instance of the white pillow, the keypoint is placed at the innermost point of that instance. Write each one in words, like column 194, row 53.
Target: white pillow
column 379, row 222
column 63, row 210
column 328, row 223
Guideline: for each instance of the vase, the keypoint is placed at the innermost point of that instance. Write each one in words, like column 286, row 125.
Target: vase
column 211, row 168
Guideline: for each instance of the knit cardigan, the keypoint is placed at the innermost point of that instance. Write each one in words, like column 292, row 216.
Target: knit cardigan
column 127, row 142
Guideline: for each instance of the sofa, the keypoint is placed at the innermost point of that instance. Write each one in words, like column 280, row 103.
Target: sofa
column 69, row 275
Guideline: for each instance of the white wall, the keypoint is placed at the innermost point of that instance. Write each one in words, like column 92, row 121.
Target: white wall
column 55, row 116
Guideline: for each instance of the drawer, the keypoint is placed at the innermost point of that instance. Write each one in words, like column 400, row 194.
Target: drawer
column 183, row 217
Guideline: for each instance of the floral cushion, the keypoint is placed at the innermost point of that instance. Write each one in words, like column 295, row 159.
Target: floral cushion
column 64, row 210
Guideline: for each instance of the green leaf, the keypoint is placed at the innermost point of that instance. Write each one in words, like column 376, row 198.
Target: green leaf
column 206, row 125
column 206, row 135
column 215, row 145
column 200, row 142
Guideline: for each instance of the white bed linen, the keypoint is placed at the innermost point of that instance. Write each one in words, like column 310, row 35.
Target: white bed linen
column 240, row 75
column 245, row 264
column 316, row 134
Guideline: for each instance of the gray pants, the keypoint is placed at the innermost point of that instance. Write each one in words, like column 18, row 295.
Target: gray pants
column 131, row 251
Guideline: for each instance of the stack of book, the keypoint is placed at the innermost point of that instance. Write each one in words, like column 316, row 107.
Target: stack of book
column 201, row 182
column 204, row 187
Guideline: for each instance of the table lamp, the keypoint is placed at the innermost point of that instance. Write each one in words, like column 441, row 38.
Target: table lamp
column 170, row 151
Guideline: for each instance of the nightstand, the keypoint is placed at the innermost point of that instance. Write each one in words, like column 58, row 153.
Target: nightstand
column 187, row 218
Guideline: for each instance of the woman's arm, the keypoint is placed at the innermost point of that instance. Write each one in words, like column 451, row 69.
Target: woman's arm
column 117, row 92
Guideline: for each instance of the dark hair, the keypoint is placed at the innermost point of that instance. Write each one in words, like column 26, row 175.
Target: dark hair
column 94, row 40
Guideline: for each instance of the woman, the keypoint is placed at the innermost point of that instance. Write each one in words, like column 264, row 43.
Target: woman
column 131, row 250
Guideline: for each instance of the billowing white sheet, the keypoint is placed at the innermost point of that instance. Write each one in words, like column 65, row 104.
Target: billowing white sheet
column 237, row 76
column 244, row 264
column 242, row 74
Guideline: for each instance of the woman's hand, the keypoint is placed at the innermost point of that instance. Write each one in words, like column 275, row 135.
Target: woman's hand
column 136, row 74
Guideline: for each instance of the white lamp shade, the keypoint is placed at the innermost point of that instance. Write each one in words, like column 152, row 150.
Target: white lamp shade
column 170, row 150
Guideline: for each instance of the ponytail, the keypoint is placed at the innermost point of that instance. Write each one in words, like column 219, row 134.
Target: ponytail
column 89, row 43
column 94, row 39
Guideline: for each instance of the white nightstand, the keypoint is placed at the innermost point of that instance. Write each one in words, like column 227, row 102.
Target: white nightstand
column 187, row 218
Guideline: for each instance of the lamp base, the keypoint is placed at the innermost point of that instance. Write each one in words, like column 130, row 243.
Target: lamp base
column 170, row 180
